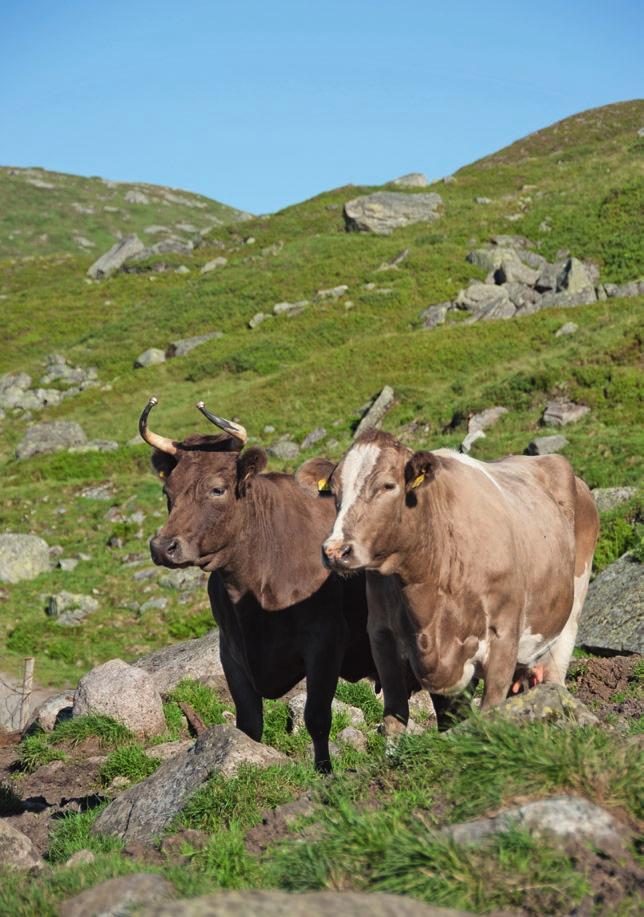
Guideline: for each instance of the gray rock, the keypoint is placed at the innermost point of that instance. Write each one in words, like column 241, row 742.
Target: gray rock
column 561, row 413
column 181, row 347
column 170, row 246
column 435, row 315
column 353, row 737
column 411, row 180
column 150, row 357
column 22, row 557
column 182, row 269
column 290, row 308
column 395, row 262
column 67, row 564
column 120, row 896
column 214, row 264
column 567, row 328
column 546, row 445
column 489, row 259
column 145, row 810
column 493, row 310
column 503, row 240
column 607, row 498
column 333, row 292
column 50, row 437
column 482, row 297
column 136, row 197
column 512, row 270
column 52, row 711
column 96, row 445
column 482, row 200
column 257, row 319
column 155, row 229
column 485, row 419
column 524, row 297
column 315, row 436
column 57, row 369
column 575, row 277
column 449, row 180
column 548, row 278
column 196, row 659
column 551, row 703
column 116, row 257
column 284, row 450
column 567, row 300
column 310, row 904
column 82, row 857
column 167, row 750
column 186, row 579
column 154, row 605
column 560, row 818
column 632, row 288
column 13, row 387
column 384, row 211
column 297, row 703
column 470, row 439
column 532, row 259
column 613, row 615
column 124, row 692
column 16, row 850
column 69, row 609
column 376, row 413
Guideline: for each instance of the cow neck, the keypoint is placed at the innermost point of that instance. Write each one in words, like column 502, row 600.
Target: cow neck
column 431, row 545
column 278, row 558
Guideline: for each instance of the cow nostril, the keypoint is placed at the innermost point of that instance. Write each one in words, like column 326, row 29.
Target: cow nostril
column 172, row 547
column 345, row 550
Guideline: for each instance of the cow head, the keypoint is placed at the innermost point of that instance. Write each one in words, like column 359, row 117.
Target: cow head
column 204, row 477
column 376, row 487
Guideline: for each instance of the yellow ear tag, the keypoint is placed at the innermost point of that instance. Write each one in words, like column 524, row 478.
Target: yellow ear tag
column 162, row 474
column 418, row 481
column 323, row 486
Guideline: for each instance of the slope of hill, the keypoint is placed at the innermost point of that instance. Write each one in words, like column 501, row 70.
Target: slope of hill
column 576, row 187
column 43, row 212
column 317, row 368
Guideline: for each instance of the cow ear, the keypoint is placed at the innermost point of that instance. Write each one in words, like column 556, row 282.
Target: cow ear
column 420, row 470
column 249, row 463
column 163, row 463
column 314, row 475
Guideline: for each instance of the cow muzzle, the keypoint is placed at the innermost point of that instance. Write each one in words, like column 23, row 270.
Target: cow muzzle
column 169, row 551
column 338, row 555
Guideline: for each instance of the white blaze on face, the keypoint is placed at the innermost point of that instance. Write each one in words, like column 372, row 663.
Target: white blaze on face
column 356, row 468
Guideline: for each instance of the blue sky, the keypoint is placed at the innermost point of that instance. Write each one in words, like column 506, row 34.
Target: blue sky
column 262, row 104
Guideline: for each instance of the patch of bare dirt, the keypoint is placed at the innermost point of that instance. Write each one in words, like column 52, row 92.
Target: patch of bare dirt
column 609, row 686
column 277, row 823
column 614, row 880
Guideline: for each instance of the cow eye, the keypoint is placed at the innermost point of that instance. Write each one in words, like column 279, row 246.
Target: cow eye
column 389, row 486
column 218, row 491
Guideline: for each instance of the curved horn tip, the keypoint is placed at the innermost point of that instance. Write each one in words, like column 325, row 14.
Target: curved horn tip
column 153, row 400
column 200, row 404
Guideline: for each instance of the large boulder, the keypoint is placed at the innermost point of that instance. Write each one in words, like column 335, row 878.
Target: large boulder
column 485, row 419
column 546, row 445
column 50, row 437
column 124, row 692
column 116, row 257
column 145, row 810
column 547, row 702
column 273, row 903
column 70, row 608
column 435, row 315
column 384, row 211
column 119, row 896
column 482, row 297
column 560, row 413
column 607, row 498
column 196, row 659
column 16, row 850
column 575, row 276
column 411, row 180
column 150, row 357
column 22, row 557
column 612, row 619
column 561, row 818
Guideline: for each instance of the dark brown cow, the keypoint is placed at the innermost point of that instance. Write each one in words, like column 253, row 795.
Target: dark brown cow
column 474, row 568
column 282, row 615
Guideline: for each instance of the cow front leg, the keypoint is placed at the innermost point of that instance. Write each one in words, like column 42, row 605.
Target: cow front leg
column 498, row 675
column 321, row 683
column 391, row 673
column 249, row 714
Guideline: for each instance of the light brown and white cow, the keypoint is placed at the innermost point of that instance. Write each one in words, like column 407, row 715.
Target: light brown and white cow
column 474, row 568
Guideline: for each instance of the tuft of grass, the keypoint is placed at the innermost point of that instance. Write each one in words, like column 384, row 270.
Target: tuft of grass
column 107, row 730
column 203, row 699
column 360, row 694
column 74, row 832
column 226, row 862
column 36, row 750
column 240, row 800
column 129, row 761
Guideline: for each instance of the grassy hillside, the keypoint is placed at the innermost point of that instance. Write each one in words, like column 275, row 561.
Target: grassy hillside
column 43, row 212
column 574, row 186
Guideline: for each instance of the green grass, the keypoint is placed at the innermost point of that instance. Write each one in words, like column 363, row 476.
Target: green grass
column 42, row 747
column 129, row 761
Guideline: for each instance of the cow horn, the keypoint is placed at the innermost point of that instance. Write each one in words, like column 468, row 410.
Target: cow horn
column 228, row 426
column 162, row 443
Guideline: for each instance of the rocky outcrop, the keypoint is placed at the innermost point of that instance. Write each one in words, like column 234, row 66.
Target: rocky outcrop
column 375, row 414
column 196, row 659
column 612, row 619
column 22, row 557
column 284, row 449
column 384, row 211
column 116, row 257
column 546, row 445
column 550, row 703
column 50, row 437
column 607, row 498
column 286, row 904
column 120, row 896
column 559, row 818
column 16, row 850
column 124, row 692
column 411, row 180
column 145, row 810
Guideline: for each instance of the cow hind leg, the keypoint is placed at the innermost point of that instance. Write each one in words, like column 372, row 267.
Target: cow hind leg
column 556, row 661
